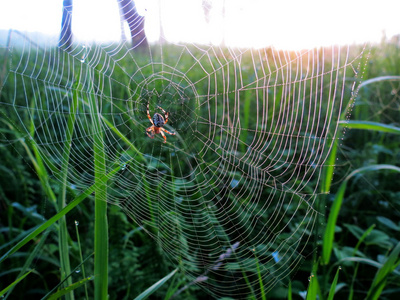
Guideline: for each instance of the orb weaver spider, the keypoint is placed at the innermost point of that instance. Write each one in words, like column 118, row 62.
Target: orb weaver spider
column 158, row 122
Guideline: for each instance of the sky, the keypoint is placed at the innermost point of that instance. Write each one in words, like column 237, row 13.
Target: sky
column 287, row 24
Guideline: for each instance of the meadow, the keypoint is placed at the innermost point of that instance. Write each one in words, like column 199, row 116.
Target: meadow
column 51, row 228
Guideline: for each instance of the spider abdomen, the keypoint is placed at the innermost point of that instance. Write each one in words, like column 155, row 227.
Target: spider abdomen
column 158, row 120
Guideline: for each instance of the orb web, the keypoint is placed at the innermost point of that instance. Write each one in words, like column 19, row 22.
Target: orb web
column 234, row 197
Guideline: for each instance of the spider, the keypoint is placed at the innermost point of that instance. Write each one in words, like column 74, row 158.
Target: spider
column 157, row 122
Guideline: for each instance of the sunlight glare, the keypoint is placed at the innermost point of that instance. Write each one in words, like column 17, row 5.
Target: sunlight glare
column 286, row 24
column 91, row 20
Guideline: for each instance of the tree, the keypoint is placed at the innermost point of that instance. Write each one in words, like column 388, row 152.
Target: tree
column 128, row 13
column 135, row 22
column 207, row 6
column 65, row 40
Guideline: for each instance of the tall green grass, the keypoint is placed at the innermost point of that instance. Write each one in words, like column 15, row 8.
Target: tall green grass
column 352, row 259
column 62, row 201
column 100, row 200
column 384, row 136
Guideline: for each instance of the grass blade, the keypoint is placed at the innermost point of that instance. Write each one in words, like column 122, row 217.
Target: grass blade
column 337, row 203
column 61, row 202
column 373, row 168
column 14, row 283
column 312, row 288
column 362, row 238
column 374, row 126
column 35, row 157
column 100, row 209
column 246, row 118
column 81, row 256
column 49, row 294
column 140, row 156
column 290, row 296
column 330, row 168
column 39, row 229
column 30, row 258
column 333, row 285
column 155, row 286
column 327, row 244
column 381, row 276
column 379, row 79
column 68, row 289
column 260, row 280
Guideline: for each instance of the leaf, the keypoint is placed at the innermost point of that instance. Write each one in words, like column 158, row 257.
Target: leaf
column 377, row 237
column 367, row 261
column 355, row 230
column 389, row 223
column 155, row 286
column 370, row 237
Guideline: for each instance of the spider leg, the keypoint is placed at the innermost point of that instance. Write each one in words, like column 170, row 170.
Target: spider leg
column 166, row 114
column 148, row 114
column 165, row 130
column 163, row 135
column 150, row 132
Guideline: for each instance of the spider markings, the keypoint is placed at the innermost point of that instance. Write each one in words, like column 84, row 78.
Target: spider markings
column 158, row 122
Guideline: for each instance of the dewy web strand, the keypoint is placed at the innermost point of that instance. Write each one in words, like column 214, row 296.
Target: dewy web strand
column 237, row 185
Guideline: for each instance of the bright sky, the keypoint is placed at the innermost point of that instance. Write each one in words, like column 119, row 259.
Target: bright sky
column 289, row 24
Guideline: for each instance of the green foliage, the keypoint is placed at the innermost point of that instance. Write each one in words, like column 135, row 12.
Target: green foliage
column 333, row 286
column 68, row 289
column 360, row 241
column 336, row 206
column 14, row 283
column 360, row 230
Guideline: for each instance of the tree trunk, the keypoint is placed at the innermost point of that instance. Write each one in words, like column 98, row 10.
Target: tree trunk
column 135, row 22
column 65, row 40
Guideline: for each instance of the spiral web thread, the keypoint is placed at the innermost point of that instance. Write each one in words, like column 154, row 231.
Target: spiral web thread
column 234, row 196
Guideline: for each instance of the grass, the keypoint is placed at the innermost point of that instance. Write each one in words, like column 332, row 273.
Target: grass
column 357, row 255
column 100, row 213
column 62, row 201
column 382, row 132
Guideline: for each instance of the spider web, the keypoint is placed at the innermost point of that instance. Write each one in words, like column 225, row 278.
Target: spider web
column 235, row 195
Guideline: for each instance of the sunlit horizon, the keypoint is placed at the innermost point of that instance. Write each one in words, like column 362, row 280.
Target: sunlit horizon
column 290, row 24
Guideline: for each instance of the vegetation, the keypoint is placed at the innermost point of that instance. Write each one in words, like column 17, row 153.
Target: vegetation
column 49, row 230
